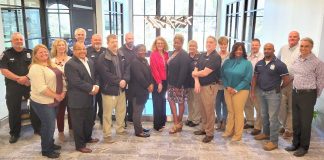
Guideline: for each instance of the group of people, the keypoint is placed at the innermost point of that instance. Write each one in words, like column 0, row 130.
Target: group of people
column 106, row 80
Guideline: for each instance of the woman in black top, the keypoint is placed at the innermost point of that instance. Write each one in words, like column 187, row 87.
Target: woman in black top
column 178, row 65
column 141, row 84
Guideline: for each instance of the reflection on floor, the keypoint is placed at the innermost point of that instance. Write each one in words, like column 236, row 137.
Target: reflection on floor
column 161, row 145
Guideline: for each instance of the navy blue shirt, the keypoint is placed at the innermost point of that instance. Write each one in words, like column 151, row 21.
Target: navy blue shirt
column 213, row 61
column 269, row 75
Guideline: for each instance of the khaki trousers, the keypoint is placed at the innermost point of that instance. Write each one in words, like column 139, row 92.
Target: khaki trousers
column 285, row 114
column 235, row 106
column 194, row 102
column 208, row 96
column 249, row 112
column 109, row 104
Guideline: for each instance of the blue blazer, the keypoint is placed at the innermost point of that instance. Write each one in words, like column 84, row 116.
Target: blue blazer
column 79, row 83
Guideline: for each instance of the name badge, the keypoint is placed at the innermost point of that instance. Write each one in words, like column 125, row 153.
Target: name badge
column 272, row 67
column 12, row 59
column 28, row 55
column 92, row 56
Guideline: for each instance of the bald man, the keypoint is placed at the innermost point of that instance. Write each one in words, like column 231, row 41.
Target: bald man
column 288, row 54
column 268, row 74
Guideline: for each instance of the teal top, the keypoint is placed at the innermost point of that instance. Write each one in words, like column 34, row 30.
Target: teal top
column 237, row 73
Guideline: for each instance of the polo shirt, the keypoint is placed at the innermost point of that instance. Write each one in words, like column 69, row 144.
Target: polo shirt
column 213, row 61
column 269, row 75
column 93, row 54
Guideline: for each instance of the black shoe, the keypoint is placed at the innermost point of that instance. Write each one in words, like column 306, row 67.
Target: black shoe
column 51, row 154
column 255, row 132
column 13, row 139
column 187, row 123
column 143, row 134
column 200, row 132
column 207, row 139
column 56, row 147
column 193, row 124
column 146, row 130
column 300, row 152
column 247, row 126
column 291, row 148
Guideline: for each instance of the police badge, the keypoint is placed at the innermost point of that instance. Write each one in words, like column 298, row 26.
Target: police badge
column 28, row 55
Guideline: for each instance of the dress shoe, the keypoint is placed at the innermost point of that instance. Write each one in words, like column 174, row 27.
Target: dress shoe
column 193, row 124
column 200, row 132
column 93, row 140
column 300, row 152
column 122, row 133
column 226, row 135
column 56, row 147
column 287, row 135
column 223, row 126
column 262, row 136
column 109, row 139
column 282, row 131
column 247, row 126
column 269, row 146
column 146, row 130
column 37, row 133
column 236, row 139
column 255, row 132
column 207, row 139
column 84, row 150
column 51, row 154
column 13, row 139
column 143, row 134
column 188, row 122
column 291, row 148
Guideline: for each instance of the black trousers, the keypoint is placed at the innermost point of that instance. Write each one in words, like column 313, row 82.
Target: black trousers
column 159, row 106
column 82, row 124
column 137, row 116
column 97, row 107
column 302, row 114
column 129, row 109
column 14, row 96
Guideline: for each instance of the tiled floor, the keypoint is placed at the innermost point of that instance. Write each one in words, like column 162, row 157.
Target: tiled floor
column 161, row 145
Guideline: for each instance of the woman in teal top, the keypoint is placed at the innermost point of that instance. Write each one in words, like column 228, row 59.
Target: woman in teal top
column 236, row 75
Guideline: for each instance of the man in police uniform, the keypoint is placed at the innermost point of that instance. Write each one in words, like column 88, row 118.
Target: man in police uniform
column 93, row 53
column 14, row 64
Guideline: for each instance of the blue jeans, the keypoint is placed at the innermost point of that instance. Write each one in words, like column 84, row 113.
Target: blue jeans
column 270, row 107
column 221, row 108
column 47, row 116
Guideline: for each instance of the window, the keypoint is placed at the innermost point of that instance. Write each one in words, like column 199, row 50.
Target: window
column 113, row 13
column 244, row 20
column 203, row 20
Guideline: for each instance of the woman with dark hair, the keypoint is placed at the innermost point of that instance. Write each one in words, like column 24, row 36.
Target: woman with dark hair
column 141, row 84
column 236, row 75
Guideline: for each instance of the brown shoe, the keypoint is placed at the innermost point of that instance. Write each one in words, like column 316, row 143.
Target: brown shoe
column 93, row 140
column 287, row 135
column 200, row 132
column 109, row 139
column 207, row 139
column 269, row 146
column 261, row 136
column 282, row 131
column 84, row 150
column 255, row 132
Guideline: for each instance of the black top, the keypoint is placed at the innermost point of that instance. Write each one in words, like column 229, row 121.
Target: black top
column 190, row 82
column 141, row 79
column 130, row 55
column 106, row 69
column 16, row 62
column 213, row 61
column 93, row 54
column 269, row 75
column 178, row 69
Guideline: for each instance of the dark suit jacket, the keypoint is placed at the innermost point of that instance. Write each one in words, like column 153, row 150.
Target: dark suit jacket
column 79, row 83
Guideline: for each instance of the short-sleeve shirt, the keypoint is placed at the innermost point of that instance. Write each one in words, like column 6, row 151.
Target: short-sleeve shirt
column 212, row 61
column 269, row 75
column 15, row 62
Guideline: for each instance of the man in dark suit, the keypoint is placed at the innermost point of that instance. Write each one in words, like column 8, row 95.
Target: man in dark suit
column 79, row 72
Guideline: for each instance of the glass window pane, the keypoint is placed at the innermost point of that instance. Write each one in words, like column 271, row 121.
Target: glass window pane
column 62, row 6
column 211, row 8
column 107, row 23
column 33, row 23
column 181, row 7
column 9, row 22
column 32, row 3
column 258, row 24
column 65, row 25
column 199, row 8
column 53, row 25
column 240, row 26
column 210, row 26
column 167, row 7
column 168, row 33
column 119, row 24
column 138, row 29
column 150, row 7
column 33, row 42
column 260, row 4
column 52, row 4
column 11, row 2
column 198, row 32
column 150, row 34
column 248, row 29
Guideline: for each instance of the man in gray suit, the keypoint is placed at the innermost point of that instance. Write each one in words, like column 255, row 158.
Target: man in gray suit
column 79, row 72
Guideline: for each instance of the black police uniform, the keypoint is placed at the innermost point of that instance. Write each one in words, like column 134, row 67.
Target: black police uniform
column 93, row 55
column 17, row 63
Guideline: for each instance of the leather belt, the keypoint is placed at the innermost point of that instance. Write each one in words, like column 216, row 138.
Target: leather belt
column 304, row 90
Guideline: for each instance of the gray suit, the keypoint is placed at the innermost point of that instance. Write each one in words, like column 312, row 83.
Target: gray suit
column 80, row 84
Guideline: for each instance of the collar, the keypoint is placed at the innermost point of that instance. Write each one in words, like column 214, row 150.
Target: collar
column 293, row 48
column 109, row 54
column 308, row 57
column 274, row 58
column 83, row 61
column 256, row 55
